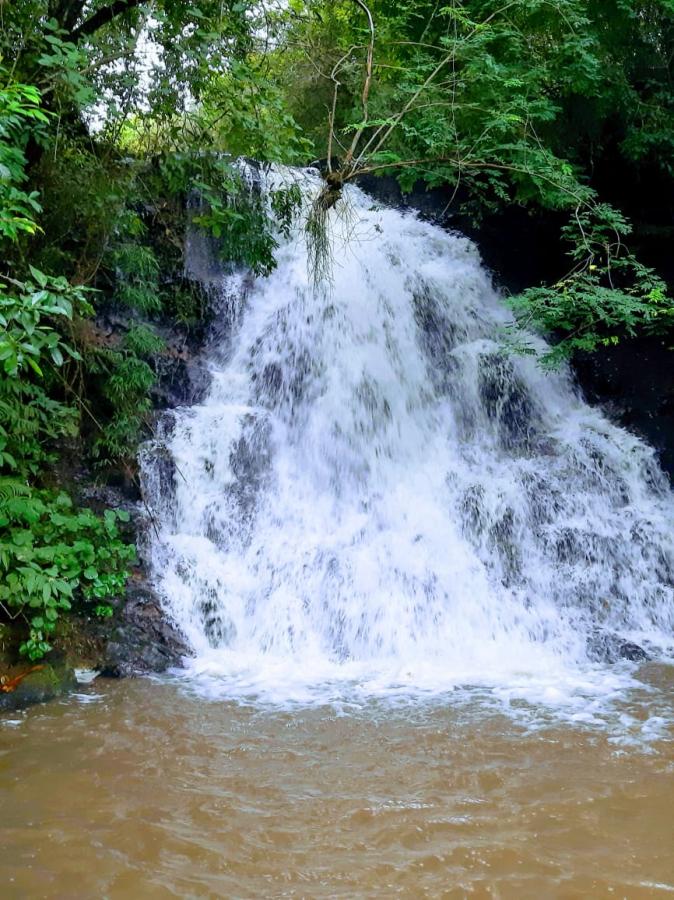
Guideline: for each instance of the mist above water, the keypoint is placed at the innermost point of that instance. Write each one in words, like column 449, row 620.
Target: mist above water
column 373, row 493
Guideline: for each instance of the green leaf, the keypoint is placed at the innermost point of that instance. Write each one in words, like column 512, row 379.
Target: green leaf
column 39, row 277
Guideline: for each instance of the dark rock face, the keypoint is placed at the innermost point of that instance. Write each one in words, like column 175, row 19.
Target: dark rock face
column 634, row 382
column 605, row 646
column 143, row 640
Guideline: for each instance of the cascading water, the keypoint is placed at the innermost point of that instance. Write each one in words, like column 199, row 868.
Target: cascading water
column 374, row 492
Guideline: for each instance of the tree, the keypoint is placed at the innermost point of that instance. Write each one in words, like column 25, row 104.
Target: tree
column 490, row 97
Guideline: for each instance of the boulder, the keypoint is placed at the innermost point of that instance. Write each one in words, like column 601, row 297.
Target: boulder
column 45, row 682
column 143, row 640
column 606, row 646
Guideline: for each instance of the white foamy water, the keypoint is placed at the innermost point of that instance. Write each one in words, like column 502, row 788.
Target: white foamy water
column 375, row 498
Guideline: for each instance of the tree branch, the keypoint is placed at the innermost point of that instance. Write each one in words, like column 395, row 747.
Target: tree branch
column 381, row 138
column 366, row 86
column 333, row 109
column 103, row 16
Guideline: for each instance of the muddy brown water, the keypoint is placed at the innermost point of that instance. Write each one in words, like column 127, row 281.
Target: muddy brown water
column 142, row 789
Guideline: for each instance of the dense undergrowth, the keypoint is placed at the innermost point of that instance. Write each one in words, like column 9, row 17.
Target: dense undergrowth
column 114, row 115
column 68, row 382
column 68, row 385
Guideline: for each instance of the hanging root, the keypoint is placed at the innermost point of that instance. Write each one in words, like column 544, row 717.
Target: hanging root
column 319, row 249
column 318, row 237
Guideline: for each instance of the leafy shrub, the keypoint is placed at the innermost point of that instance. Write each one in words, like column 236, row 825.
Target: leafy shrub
column 608, row 294
column 53, row 555
column 143, row 341
column 19, row 111
column 126, row 383
column 137, row 282
column 31, row 422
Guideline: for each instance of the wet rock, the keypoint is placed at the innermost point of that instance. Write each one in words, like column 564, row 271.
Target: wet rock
column 507, row 403
column 438, row 336
column 45, row 683
column 250, row 461
column 605, row 646
column 143, row 640
column 634, row 383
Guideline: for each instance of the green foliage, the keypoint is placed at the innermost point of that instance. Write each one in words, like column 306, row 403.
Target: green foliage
column 27, row 317
column 143, row 341
column 137, row 282
column 506, row 103
column 103, row 610
column 20, row 115
column 64, row 66
column 54, row 556
column 31, row 315
column 50, row 553
column 224, row 205
column 591, row 314
column 609, row 294
column 286, row 204
column 31, row 424
column 126, row 380
column 244, row 113
column 238, row 220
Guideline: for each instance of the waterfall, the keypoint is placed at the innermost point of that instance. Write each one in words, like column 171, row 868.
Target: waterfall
column 374, row 492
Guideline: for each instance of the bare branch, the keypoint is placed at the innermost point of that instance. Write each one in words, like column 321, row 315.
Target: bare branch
column 366, row 85
column 103, row 16
column 333, row 109
column 448, row 58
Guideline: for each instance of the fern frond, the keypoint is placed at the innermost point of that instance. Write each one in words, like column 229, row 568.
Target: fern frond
column 11, row 488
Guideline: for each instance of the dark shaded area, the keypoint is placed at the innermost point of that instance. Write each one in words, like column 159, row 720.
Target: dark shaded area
column 634, row 382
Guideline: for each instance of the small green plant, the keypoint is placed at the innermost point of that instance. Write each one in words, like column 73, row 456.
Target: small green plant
column 126, row 382
column 104, row 610
column 143, row 341
column 53, row 556
column 137, row 282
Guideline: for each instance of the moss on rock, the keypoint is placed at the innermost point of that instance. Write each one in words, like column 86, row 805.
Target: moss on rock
column 45, row 682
